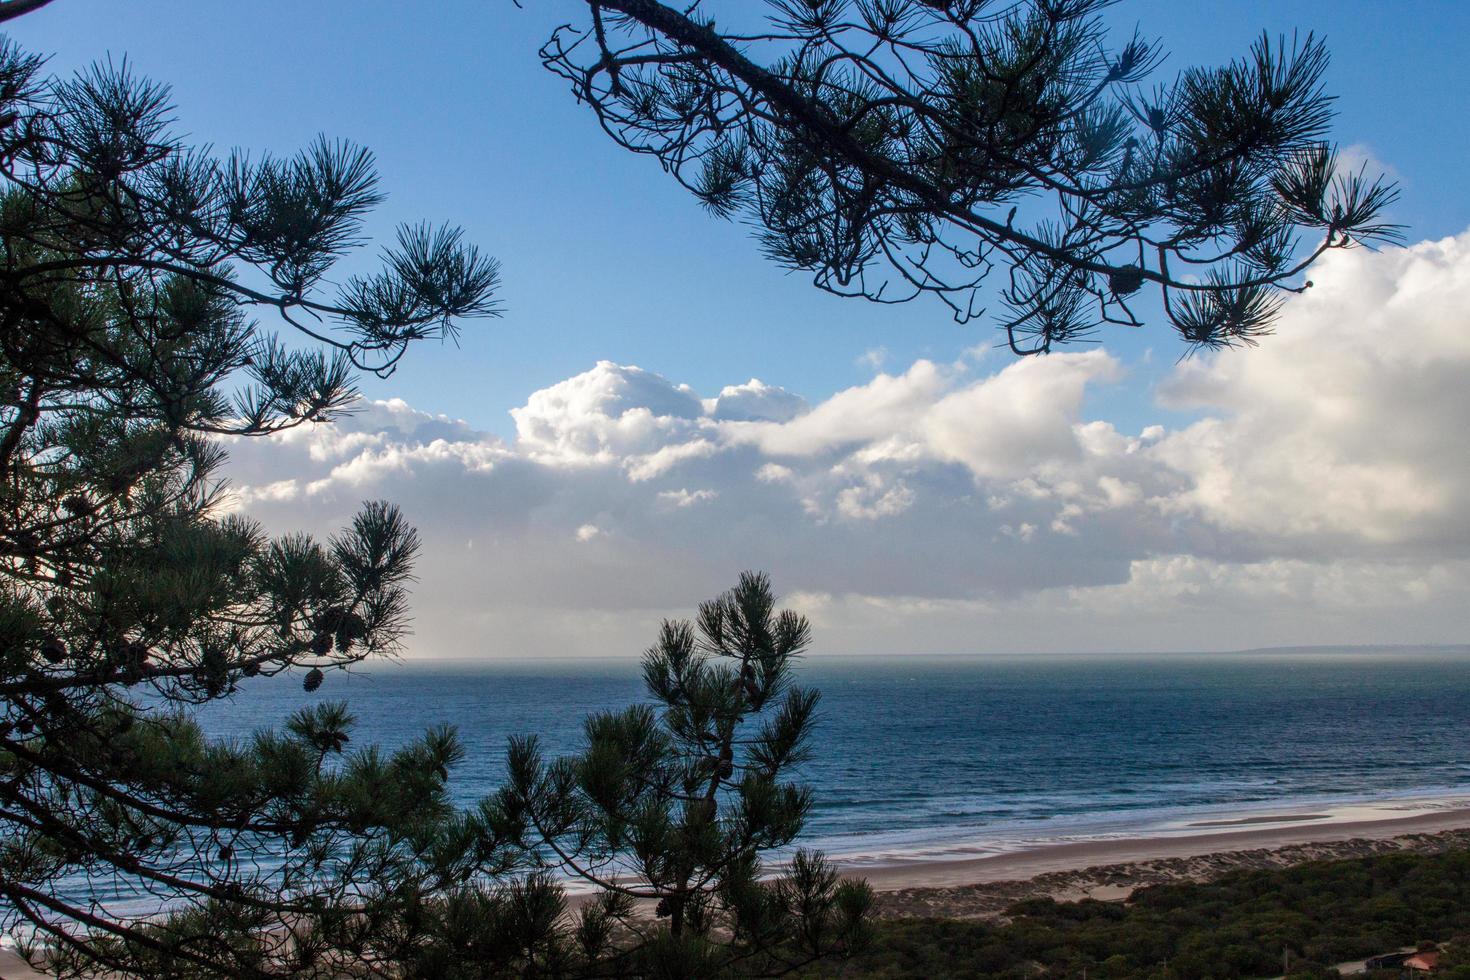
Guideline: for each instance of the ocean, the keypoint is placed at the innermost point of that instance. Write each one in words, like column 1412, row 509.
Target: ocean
column 920, row 758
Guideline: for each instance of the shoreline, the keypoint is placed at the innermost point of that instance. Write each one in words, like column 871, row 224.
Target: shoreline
column 1286, row 830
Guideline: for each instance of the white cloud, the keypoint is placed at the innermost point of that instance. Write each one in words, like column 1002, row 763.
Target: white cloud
column 1323, row 495
column 1359, row 158
column 603, row 414
column 241, row 498
column 686, row 498
column 1344, row 434
column 654, row 464
column 755, row 401
column 1020, row 420
column 874, row 499
column 851, row 418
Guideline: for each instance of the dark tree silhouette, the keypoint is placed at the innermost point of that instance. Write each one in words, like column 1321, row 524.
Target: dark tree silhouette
column 672, row 803
column 130, row 266
column 899, row 148
column 11, row 9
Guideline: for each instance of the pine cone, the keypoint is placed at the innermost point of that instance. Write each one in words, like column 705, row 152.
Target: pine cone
column 1125, row 281
column 53, row 650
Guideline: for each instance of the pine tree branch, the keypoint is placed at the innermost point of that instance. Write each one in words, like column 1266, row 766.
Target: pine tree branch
column 10, row 9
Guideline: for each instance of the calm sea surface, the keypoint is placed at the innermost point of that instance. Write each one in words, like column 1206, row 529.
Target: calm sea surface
column 931, row 756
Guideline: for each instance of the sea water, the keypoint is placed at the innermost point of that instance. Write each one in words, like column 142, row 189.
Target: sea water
column 927, row 757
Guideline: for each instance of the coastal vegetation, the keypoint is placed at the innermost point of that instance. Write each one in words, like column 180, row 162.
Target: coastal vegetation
column 1246, row 924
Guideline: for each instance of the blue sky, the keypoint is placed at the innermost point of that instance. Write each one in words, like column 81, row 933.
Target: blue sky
column 603, row 256
column 1314, row 491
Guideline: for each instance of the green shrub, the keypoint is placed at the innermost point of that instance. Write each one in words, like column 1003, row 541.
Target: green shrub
column 1321, row 914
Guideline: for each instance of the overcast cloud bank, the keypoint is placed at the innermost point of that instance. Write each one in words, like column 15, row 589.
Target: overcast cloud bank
column 1322, row 497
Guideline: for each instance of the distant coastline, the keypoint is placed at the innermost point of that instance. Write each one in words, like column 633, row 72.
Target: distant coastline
column 1321, row 649
column 1366, row 649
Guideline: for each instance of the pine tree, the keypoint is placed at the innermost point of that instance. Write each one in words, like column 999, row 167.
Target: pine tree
column 904, row 148
column 130, row 268
column 661, row 820
column 670, row 805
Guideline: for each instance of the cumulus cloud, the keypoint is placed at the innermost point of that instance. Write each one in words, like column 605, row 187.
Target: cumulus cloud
column 1322, row 495
column 686, row 498
column 610, row 411
column 1345, row 434
column 756, row 401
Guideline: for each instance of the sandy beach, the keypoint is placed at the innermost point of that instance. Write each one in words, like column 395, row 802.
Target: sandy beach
column 1246, row 834
column 1111, row 869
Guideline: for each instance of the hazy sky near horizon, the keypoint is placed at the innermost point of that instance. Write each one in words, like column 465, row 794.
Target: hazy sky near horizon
column 604, row 455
